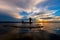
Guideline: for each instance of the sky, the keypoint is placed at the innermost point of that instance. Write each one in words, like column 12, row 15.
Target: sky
column 38, row 9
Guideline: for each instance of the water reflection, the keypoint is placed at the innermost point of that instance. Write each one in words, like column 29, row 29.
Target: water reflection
column 16, row 32
column 50, row 27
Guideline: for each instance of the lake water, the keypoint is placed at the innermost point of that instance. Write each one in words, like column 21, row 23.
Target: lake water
column 50, row 27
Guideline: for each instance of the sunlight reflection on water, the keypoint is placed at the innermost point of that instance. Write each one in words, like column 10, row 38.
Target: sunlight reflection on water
column 50, row 27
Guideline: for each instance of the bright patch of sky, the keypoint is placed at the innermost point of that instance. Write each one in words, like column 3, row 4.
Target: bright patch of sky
column 57, row 13
column 30, row 8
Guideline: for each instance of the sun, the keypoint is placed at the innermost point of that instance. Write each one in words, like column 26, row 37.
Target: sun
column 41, row 21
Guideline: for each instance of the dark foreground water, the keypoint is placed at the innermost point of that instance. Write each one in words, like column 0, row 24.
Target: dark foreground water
column 50, row 31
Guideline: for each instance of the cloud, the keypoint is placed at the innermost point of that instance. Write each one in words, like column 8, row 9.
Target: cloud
column 13, row 7
column 54, row 18
column 24, row 4
column 10, row 10
column 44, row 14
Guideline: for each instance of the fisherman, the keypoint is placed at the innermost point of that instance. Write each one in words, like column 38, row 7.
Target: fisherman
column 30, row 20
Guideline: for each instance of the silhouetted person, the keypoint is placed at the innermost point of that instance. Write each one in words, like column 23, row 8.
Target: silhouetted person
column 22, row 22
column 30, row 20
